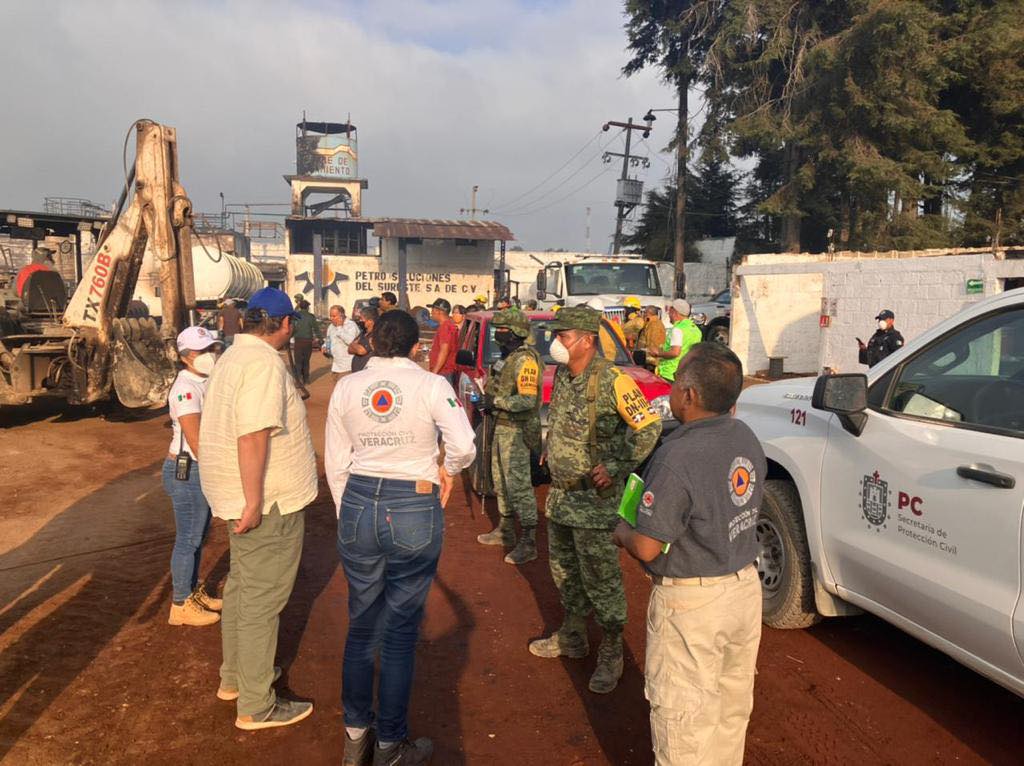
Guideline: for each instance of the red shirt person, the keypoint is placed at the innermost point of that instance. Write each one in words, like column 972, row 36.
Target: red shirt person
column 446, row 339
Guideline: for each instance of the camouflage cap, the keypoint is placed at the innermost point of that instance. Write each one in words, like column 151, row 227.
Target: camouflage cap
column 513, row 319
column 576, row 318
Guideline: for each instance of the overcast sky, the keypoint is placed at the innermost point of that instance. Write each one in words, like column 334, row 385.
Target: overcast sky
column 445, row 94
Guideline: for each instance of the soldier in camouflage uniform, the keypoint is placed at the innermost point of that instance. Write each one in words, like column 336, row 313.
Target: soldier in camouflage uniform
column 601, row 427
column 512, row 397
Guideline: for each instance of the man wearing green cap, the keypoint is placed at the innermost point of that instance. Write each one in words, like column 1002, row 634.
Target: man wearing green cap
column 600, row 428
column 512, row 396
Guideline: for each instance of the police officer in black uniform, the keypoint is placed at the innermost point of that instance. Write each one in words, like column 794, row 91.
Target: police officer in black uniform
column 886, row 340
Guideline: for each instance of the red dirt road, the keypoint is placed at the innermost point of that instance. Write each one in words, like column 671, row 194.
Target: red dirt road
column 90, row 672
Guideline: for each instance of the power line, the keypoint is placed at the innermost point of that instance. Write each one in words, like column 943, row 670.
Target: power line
column 560, row 184
column 549, row 205
column 559, row 170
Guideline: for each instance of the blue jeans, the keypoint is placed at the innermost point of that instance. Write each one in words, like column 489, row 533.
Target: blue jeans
column 389, row 538
column 191, row 522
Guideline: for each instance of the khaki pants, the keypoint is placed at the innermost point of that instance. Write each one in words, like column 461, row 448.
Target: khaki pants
column 702, row 639
column 264, row 562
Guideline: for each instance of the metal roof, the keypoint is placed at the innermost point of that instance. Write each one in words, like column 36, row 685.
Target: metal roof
column 426, row 228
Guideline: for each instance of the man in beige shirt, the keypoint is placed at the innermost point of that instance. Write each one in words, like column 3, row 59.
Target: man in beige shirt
column 259, row 474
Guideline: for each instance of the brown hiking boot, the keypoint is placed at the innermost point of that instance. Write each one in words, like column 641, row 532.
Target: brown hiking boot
column 206, row 600
column 526, row 550
column 191, row 613
column 503, row 534
column 570, row 640
column 609, row 664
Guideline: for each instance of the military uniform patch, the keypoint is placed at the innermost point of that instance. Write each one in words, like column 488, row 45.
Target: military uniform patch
column 528, row 377
column 632, row 404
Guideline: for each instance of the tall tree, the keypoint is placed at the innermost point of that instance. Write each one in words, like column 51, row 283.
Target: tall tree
column 674, row 36
column 712, row 211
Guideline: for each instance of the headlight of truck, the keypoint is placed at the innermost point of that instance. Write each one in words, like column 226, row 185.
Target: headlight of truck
column 662, row 407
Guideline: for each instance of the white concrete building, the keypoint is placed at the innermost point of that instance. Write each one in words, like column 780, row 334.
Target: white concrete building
column 810, row 309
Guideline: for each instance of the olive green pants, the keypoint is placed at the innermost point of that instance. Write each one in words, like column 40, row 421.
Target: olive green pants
column 264, row 562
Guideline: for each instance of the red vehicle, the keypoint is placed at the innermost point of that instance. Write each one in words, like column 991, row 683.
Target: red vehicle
column 476, row 344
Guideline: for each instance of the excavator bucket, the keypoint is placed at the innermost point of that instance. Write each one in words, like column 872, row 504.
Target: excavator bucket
column 143, row 372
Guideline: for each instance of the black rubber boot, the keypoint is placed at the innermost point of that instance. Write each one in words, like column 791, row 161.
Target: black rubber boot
column 526, row 550
column 609, row 664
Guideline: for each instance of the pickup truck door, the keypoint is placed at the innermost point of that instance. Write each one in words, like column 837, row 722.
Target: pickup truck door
column 921, row 513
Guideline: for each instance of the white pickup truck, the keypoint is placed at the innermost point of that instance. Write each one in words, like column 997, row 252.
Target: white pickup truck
column 901, row 492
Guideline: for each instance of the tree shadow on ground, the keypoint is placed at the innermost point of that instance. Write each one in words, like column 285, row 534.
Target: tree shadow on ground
column 446, row 656
column 613, row 727
column 951, row 694
column 316, row 568
column 70, row 588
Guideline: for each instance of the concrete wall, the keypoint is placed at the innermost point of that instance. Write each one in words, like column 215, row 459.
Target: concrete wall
column 778, row 300
column 776, row 315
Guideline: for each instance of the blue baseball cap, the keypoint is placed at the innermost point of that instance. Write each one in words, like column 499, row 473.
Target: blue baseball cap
column 275, row 302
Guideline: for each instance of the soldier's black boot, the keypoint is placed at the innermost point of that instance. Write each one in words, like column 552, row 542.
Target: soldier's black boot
column 503, row 534
column 570, row 640
column 526, row 550
column 609, row 663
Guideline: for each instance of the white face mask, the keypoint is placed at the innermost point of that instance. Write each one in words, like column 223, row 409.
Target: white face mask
column 559, row 353
column 883, row 324
column 204, row 363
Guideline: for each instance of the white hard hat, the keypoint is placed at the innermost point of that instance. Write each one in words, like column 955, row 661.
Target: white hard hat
column 596, row 303
column 681, row 306
column 195, row 339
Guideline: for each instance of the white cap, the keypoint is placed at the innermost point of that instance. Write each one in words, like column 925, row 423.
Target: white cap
column 195, row 339
column 681, row 306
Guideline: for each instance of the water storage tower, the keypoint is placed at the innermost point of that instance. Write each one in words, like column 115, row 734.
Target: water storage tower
column 327, row 165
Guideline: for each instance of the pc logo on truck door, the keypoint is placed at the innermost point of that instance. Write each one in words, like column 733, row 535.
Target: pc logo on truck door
column 874, row 500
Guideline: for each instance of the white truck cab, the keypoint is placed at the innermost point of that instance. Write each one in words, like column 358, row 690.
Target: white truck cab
column 901, row 492
column 610, row 279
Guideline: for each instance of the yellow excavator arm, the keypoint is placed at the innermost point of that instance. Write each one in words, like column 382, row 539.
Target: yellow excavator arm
column 135, row 356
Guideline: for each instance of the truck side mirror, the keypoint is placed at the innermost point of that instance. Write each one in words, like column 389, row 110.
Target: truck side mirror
column 640, row 357
column 846, row 396
column 464, row 357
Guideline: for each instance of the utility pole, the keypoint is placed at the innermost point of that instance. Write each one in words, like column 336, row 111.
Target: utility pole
column 629, row 191
column 682, row 157
column 473, row 209
column 588, row 228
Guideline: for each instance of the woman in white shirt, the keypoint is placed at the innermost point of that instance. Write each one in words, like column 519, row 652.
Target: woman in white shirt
column 382, row 464
column 190, row 603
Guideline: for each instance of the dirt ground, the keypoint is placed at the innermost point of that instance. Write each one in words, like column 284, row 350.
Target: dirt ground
column 90, row 672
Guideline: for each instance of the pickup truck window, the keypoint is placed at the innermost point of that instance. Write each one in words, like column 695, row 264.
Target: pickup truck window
column 974, row 376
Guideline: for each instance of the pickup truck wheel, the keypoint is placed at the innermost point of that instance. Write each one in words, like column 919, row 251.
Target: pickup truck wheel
column 784, row 562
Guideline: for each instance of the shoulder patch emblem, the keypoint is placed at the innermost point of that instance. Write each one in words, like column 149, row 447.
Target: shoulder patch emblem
column 527, row 380
column 632, row 405
column 742, row 479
